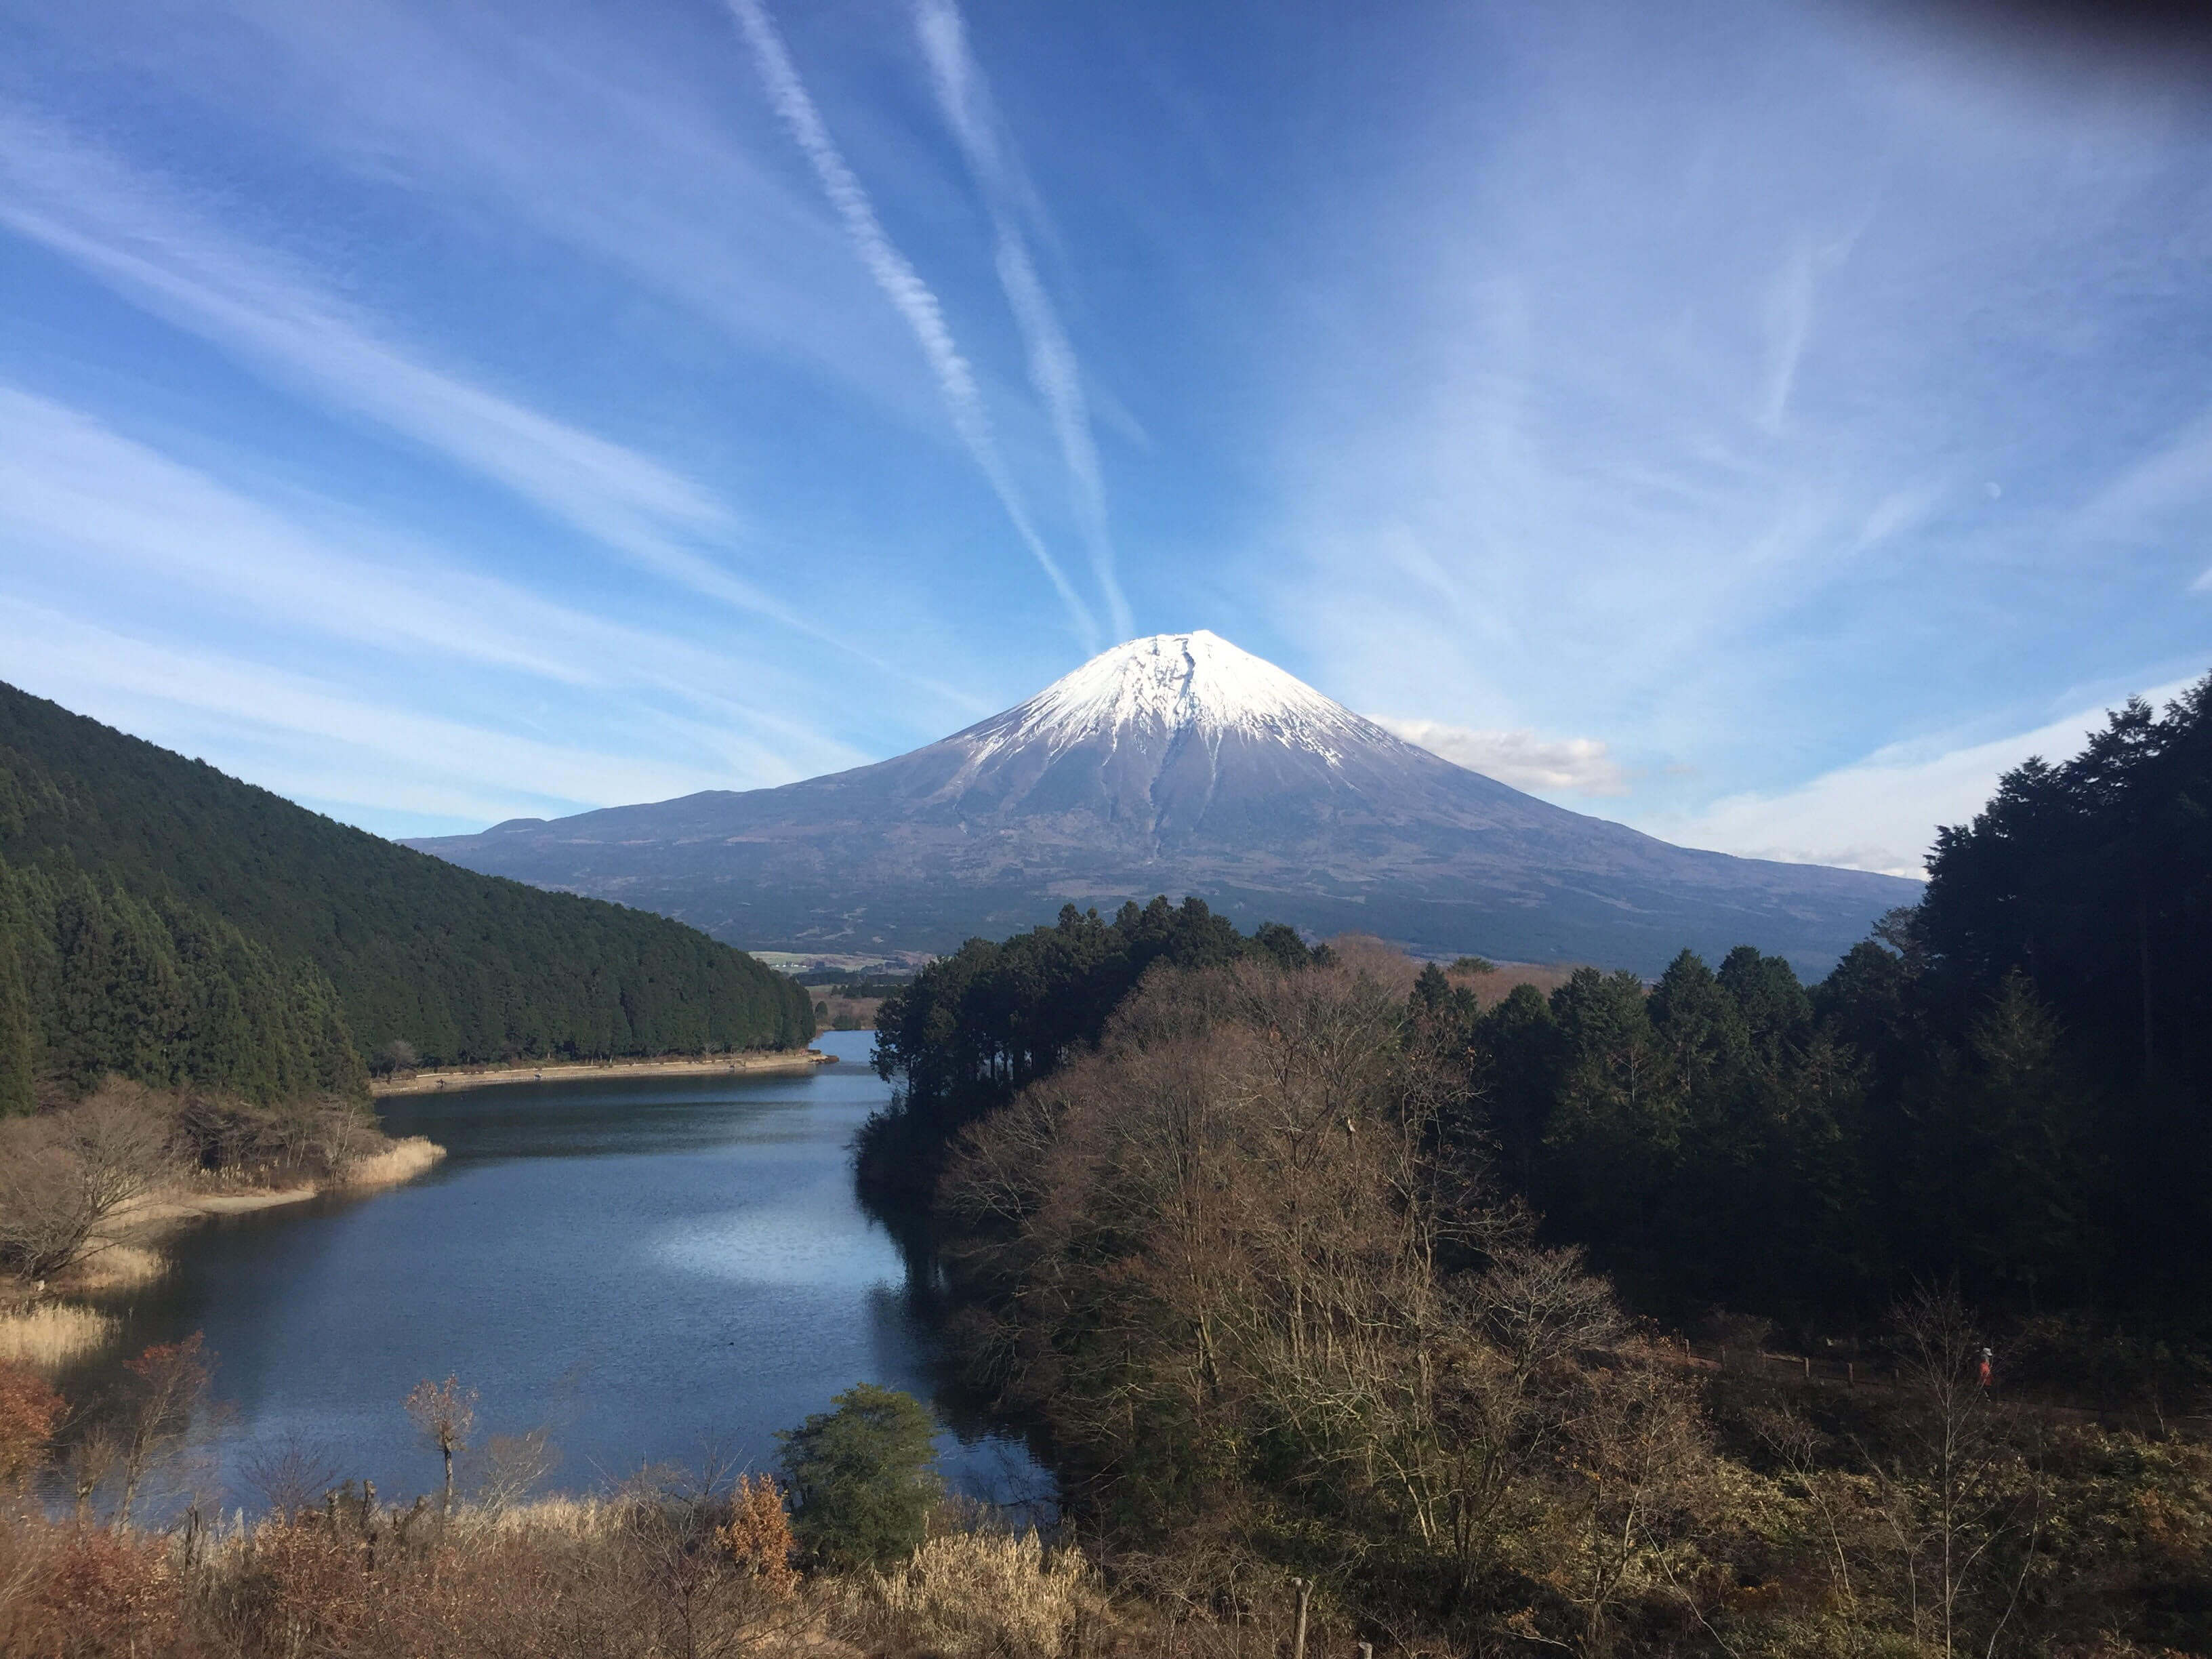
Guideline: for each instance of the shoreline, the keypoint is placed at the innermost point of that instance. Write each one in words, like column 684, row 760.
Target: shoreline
column 68, row 1321
column 771, row 1062
column 166, row 1209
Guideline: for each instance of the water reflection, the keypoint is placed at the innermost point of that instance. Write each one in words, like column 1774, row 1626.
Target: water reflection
column 649, row 1265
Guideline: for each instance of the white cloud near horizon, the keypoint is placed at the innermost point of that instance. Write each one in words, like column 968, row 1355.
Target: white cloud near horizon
column 1572, row 766
column 1880, row 813
column 901, row 284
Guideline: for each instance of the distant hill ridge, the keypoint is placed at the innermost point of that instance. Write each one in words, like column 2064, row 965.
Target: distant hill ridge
column 1180, row 764
column 160, row 918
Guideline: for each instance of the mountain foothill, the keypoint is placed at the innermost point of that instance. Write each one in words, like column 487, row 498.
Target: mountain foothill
column 167, row 924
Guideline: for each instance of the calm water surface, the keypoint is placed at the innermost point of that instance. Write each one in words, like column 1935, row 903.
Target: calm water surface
column 652, row 1267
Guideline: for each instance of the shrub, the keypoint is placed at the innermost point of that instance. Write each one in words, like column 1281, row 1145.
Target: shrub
column 29, row 1409
column 89, row 1592
column 863, row 1478
column 758, row 1536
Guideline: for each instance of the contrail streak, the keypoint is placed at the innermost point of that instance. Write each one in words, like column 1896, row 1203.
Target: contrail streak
column 1054, row 371
column 902, row 286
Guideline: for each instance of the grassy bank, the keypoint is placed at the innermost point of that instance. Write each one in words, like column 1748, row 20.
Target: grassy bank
column 89, row 1189
column 53, row 1334
column 769, row 1061
column 653, row 1570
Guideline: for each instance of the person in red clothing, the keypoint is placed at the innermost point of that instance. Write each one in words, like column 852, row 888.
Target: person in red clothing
column 1983, row 1369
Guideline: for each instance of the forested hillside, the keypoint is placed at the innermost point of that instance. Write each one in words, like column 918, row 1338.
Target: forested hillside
column 2008, row 1084
column 94, row 980
column 1457, row 1307
column 163, row 920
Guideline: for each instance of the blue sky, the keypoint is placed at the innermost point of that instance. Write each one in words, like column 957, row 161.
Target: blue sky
column 1758, row 423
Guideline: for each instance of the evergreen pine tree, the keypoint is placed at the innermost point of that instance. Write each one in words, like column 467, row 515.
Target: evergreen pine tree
column 18, row 1038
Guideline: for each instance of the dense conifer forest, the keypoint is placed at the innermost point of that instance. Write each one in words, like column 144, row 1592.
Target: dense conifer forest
column 163, row 921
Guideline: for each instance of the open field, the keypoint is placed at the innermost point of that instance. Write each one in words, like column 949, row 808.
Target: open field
column 1493, row 987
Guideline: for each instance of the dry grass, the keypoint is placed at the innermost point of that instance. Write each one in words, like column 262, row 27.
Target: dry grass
column 979, row 1594
column 1389, row 966
column 51, row 1336
column 401, row 1161
column 116, row 1268
column 555, row 1517
column 1493, row 987
column 1370, row 958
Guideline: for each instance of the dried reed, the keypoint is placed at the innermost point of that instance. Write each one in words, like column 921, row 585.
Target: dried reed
column 52, row 1335
column 401, row 1161
column 984, row 1594
column 117, row 1266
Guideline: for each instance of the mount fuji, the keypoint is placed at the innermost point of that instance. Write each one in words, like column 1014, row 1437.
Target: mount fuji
column 1180, row 764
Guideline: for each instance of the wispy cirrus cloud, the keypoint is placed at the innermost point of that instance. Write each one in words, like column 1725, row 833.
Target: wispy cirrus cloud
column 901, row 284
column 1527, row 760
column 963, row 96
column 1711, row 424
column 2173, row 477
column 384, row 753
column 94, row 501
column 140, row 239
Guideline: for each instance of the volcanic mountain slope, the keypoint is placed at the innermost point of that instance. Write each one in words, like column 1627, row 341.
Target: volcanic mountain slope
column 1180, row 764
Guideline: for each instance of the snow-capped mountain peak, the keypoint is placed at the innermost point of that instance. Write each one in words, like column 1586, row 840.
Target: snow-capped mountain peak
column 1173, row 765
column 1171, row 683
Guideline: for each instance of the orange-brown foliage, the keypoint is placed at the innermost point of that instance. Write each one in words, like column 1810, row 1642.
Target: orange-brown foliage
column 84, row 1592
column 306, row 1580
column 758, row 1534
column 29, row 1409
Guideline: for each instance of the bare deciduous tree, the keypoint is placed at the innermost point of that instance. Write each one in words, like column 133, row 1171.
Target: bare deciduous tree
column 1960, row 1502
column 65, row 1174
column 445, row 1412
column 1636, row 1475
column 512, row 1465
column 1234, row 1226
column 290, row 1473
column 169, row 1383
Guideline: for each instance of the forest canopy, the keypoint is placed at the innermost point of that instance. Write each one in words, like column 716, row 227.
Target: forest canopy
column 973, row 1028
column 2010, row 1084
column 163, row 921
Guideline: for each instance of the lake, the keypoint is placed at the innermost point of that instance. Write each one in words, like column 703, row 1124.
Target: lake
column 657, row 1268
